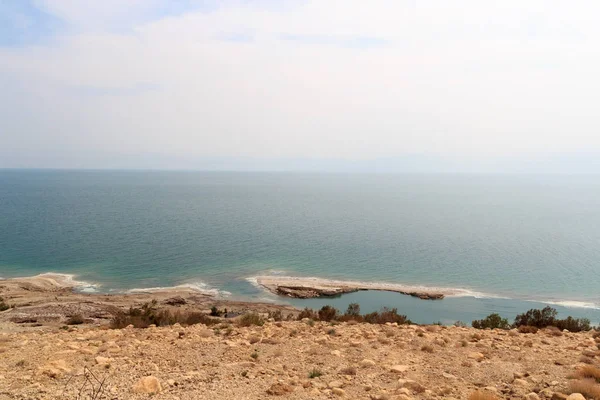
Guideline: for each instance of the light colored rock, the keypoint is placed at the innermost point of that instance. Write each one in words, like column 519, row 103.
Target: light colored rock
column 531, row 396
column 476, row 356
column 399, row 368
column 336, row 353
column 148, row 385
column 102, row 360
column 335, row 384
column 576, row 396
column 367, row 363
column 338, row 392
column 55, row 369
column 520, row 382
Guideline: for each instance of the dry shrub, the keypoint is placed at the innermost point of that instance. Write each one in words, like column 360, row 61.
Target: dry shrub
column 553, row 331
column 76, row 319
column 149, row 314
column 589, row 371
column 348, row 371
column 528, row 329
column 427, row 348
column 254, row 339
column 432, row 328
column 307, row 313
column 271, row 341
column 251, row 319
column 587, row 387
column 480, row 395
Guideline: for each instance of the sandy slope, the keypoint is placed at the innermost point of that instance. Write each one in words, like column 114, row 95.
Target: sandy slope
column 356, row 361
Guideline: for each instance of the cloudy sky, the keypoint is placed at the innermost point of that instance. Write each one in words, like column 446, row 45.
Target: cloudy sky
column 258, row 83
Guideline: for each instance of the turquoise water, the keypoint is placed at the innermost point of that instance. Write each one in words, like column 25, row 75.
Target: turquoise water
column 512, row 240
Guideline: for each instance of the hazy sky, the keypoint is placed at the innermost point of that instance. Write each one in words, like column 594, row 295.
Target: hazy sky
column 150, row 83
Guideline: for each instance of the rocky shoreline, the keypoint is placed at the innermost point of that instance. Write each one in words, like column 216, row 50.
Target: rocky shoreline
column 307, row 288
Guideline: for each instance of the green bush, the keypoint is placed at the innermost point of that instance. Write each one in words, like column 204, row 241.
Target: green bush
column 548, row 317
column 307, row 313
column 327, row 313
column 492, row 321
column 3, row 305
column 149, row 314
column 386, row 315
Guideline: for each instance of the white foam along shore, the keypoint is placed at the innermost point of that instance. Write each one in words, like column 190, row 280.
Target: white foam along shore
column 196, row 287
column 309, row 287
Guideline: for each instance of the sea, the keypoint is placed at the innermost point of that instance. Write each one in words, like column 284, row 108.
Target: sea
column 511, row 242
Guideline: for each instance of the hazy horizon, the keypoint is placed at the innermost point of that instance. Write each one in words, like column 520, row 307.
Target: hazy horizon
column 384, row 86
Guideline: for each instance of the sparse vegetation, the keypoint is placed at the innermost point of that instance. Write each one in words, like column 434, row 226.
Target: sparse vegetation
column 348, row 371
column 492, row 321
column 275, row 315
column 589, row 371
column 3, row 305
column 250, row 319
column 76, row 319
column 386, row 315
column 587, row 387
column 327, row 313
column 314, row 373
column 307, row 313
column 149, row 314
column 548, row 317
column 527, row 329
column 254, row 355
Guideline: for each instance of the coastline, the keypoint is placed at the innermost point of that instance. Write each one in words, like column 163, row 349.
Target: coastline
column 311, row 287
column 48, row 300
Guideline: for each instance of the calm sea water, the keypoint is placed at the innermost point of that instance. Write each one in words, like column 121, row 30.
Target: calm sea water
column 515, row 241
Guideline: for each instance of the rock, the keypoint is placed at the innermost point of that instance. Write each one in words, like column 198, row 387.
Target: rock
column 335, row 384
column 411, row 385
column 367, row 363
column 520, row 382
column 338, row 392
column 148, row 384
column 476, row 356
column 399, row 368
column 404, row 391
column 559, row 396
column 336, row 353
column 279, row 389
column 448, row 376
column 402, row 397
column 55, row 369
column 531, row 396
column 576, row 396
column 102, row 360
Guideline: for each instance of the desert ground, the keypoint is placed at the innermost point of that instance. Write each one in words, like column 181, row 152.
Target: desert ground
column 43, row 358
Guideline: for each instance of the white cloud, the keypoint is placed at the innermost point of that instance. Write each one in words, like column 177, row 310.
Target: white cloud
column 359, row 80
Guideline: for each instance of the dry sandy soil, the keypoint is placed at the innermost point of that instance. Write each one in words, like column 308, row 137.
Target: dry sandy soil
column 293, row 360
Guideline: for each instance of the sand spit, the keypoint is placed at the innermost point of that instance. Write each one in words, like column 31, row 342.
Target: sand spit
column 305, row 288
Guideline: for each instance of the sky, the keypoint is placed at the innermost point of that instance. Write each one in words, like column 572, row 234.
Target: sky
column 436, row 85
